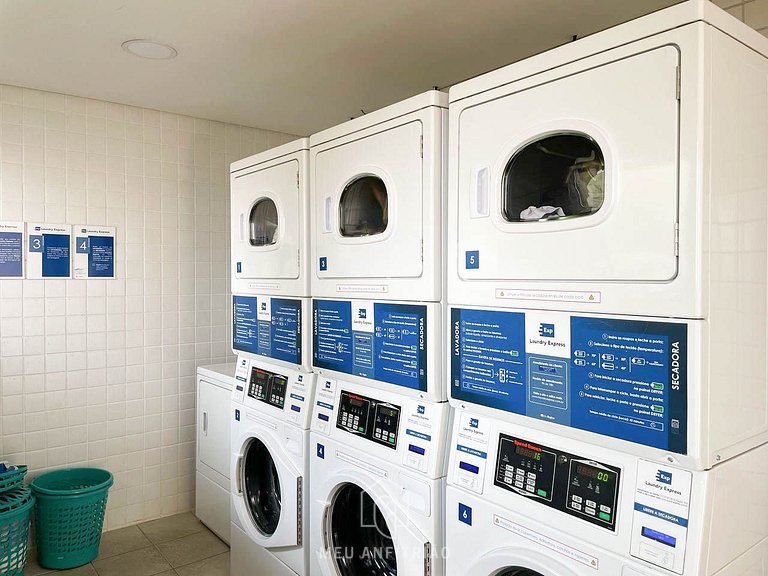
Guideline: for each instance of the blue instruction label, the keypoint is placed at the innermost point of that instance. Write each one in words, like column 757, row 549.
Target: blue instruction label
column 56, row 256
column 101, row 257
column 11, row 254
column 267, row 326
column 381, row 341
column 621, row 378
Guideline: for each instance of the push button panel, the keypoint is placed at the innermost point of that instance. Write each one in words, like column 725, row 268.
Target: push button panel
column 363, row 416
column 577, row 486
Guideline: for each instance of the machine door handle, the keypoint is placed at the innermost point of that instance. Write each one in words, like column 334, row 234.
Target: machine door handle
column 242, row 227
column 479, row 194
column 327, row 207
column 238, row 475
column 205, row 423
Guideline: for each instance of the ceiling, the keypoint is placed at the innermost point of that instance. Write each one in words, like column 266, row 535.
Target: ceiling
column 295, row 66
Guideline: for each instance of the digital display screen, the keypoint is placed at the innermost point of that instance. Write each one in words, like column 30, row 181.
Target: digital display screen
column 591, row 472
column 659, row 537
column 388, row 411
column 528, row 453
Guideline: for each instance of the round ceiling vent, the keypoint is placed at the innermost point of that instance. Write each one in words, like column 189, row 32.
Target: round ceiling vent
column 149, row 49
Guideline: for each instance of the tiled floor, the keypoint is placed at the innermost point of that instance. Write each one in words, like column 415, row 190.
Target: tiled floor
column 174, row 546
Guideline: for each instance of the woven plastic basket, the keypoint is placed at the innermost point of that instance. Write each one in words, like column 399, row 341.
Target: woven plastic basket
column 12, row 479
column 70, row 515
column 15, row 509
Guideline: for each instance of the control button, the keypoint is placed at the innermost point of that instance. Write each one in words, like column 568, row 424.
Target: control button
column 508, row 480
column 542, row 493
column 391, row 440
column 604, row 508
column 604, row 516
column 590, row 511
column 576, row 506
column 529, row 487
column 519, row 484
column 532, row 475
column 591, row 504
column 576, row 498
column 509, row 468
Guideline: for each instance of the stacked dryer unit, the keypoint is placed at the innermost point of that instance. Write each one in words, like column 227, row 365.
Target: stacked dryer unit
column 380, row 416
column 607, row 241
column 274, row 384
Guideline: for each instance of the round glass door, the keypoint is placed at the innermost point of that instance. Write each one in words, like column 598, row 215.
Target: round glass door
column 517, row 571
column 263, row 223
column 363, row 207
column 261, row 487
column 360, row 537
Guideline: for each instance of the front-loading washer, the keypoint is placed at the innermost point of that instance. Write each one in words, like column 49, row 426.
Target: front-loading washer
column 377, row 483
column 522, row 502
column 271, row 408
column 270, row 221
column 606, row 238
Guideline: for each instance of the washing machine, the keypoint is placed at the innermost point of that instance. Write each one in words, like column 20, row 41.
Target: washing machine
column 607, row 226
column 521, row 502
column 377, row 482
column 376, row 184
column 270, row 221
column 270, row 414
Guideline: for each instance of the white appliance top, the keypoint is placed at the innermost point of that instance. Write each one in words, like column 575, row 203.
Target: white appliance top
column 222, row 373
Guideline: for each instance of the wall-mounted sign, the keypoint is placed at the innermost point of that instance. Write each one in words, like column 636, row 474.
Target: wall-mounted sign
column 11, row 249
column 48, row 250
column 94, row 251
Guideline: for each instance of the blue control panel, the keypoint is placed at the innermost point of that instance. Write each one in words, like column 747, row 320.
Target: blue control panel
column 381, row 341
column 620, row 378
column 267, row 326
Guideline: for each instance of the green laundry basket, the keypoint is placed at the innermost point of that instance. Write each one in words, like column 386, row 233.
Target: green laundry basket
column 70, row 515
column 15, row 509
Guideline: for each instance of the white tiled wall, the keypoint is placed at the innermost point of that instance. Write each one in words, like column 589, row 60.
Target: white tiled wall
column 753, row 12
column 102, row 373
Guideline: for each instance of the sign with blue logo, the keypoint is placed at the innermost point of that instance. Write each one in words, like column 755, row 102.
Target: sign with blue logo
column 547, row 330
column 321, row 451
column 664, row 477
column 323, row 264
column 11, row 250
column 377, row 340
column 267, row 326
column 94, row 252
column 620, row 378
column 48, row 251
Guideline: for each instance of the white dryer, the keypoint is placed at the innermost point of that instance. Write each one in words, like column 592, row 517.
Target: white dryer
column 619, row 183
column 521, row 502
column 270, row 221
column 212, row 496
column 377, row 483
column 377, row 203
column 271, row 408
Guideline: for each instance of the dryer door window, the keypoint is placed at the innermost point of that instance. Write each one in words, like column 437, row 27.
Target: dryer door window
column 261, row 484
column 358, row 529
column 263, row 223
column 363, row 207
column 558, row 176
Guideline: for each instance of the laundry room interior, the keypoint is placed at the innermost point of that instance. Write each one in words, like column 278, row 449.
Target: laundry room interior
column 403, row 288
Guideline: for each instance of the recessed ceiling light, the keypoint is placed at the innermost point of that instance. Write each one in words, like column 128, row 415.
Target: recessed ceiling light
column 149, row 49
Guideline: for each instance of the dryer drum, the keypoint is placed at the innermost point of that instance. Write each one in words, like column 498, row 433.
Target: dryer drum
column 361, row 541
column 262, row 487
column 561, row 175
column 263, row 223
column 364, row 207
